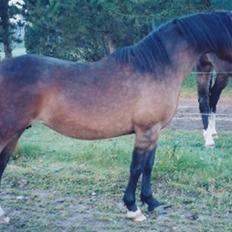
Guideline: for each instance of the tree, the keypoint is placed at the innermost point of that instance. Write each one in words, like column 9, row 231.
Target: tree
column 5, row 28
column 64, row 31
column 10, row 21
column 91, row 29
column 206, row 2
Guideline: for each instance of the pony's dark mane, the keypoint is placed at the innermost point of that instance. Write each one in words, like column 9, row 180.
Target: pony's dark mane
column 145, row 54
column 212, row 31
column 207, row 31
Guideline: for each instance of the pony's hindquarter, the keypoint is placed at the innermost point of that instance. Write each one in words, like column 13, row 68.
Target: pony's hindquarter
column 19, row 104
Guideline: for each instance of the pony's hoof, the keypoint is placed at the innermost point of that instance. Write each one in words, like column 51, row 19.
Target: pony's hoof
column 215, row 135
column 150, row 201
column 155, row 204
column 210, row 145
column 4, row 219
column 136, row 216
column 163, row 209
column 209, row 141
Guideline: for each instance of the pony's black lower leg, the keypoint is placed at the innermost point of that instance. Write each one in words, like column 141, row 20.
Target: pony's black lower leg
column 204, row 68
column 136, row 169
column 204, row 108
column 146, row 191
column 205, row 111
column 220, row 83
column 145, row 141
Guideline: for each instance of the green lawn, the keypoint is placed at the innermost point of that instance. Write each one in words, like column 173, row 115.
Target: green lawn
column 62, row 184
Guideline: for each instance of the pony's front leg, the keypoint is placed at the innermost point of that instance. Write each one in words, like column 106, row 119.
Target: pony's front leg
column 145, row 142
column 136, row 169
column 146, row 191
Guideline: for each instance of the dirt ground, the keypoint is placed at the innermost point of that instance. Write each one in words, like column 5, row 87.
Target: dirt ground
column 188, row 117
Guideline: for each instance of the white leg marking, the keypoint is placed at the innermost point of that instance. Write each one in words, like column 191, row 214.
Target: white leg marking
column 1, row 211
column 212, row 124
column 209, row 141
column 136, row 216
column 3, row 218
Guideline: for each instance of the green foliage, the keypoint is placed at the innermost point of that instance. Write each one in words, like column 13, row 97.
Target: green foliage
column 91, row 29
column 10, row 25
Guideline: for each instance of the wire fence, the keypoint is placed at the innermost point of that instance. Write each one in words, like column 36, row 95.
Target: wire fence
column 224, row 115
column 197, row 116
column 221, row 72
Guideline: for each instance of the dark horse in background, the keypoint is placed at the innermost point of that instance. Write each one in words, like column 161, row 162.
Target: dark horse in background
column 209, row 88
column 134, row 90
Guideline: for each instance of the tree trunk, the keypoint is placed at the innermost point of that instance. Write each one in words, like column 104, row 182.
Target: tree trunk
column 206, row 2
column 5, row 24
column 109, row 44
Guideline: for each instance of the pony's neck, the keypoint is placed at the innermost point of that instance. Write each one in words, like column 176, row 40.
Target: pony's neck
column 184, row 49
column 182, row 55
column 185, row 58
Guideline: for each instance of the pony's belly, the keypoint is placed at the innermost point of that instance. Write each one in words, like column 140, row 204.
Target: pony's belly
column 90, row 129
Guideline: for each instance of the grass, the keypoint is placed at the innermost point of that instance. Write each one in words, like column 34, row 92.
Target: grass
column 61, row 184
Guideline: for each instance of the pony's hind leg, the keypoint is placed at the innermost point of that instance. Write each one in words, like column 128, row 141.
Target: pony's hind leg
column 220, row 83
column 204, row 67
column 203, row 83
column 145, row 142
column 4, row 158
column 7, row 152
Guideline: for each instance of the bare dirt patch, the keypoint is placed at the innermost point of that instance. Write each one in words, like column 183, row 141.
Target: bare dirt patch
column 55, row 212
